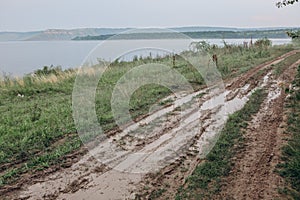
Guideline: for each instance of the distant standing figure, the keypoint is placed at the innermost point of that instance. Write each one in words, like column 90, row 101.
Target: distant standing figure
column 174, row 60
column 245, row 44
column 215, row 59
column 251, row 43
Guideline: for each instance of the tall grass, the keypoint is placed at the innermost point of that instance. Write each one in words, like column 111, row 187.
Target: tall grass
column 236, row 59
column 35, row 79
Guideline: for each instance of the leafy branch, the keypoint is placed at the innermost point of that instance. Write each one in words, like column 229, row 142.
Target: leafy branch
column 285, row 3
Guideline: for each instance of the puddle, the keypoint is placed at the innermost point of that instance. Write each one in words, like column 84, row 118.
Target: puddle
column 266, row 79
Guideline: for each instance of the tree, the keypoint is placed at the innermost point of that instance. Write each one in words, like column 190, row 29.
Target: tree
column 263, row 43
column 200, row 46
column 285, row 3
column 294, row 34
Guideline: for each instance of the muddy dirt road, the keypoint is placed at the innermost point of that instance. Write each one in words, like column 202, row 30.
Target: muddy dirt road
column 180, row 133
column 253, row 175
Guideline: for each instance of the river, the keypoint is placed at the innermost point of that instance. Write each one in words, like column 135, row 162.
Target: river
column 21, row 57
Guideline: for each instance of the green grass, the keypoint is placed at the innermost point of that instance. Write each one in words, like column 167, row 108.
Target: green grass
column 238, row 60
column 290, row 168
column 157, row 193
column 38, row 131
column 205, row 180
column 279, row 67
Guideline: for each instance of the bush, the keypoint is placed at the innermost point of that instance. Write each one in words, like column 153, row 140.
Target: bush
column 201, row 46
column 294, row 34
column 263, row 43
column 48, row 70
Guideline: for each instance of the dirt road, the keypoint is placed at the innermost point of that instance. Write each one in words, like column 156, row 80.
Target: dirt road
column 253, row 175
column 155, row 148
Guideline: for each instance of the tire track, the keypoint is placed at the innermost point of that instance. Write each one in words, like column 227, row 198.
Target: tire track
column 253, row 175
column 90, row 179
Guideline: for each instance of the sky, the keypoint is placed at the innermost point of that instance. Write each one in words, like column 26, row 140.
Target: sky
column 30, row 15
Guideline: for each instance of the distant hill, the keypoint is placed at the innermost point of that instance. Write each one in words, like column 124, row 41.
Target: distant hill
column 61, row 34
column 104, row 33
column 207, row 29
column 204, row 29
column 57, row 34
column 195, row 35
column 17, row 36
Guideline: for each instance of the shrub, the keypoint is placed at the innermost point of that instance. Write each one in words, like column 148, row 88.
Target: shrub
column 263, row 43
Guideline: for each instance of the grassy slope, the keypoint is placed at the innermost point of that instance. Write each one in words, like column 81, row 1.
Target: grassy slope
column 37, row 130
column 233, row 63
column 290, row 169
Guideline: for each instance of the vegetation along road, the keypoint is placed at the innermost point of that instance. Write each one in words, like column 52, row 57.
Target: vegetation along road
column 256, row 155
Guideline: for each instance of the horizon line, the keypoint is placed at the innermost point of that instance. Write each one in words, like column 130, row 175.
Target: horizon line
column 150, row 27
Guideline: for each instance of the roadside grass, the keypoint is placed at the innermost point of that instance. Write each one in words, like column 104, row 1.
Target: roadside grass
column 290, row 168
column 279, row 67
column 237, row 60
column 204, row 182
column 32, row 124
column 37, row 129
column 157, row 193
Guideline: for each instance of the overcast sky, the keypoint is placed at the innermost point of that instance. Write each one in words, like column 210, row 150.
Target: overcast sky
column 28, row 15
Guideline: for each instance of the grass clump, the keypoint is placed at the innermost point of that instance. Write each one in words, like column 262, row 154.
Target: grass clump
column 157, row 193
column 205, row 180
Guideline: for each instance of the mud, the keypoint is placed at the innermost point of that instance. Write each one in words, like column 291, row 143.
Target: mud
column 172, row 177
column 253, row 175
column 168, row 143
